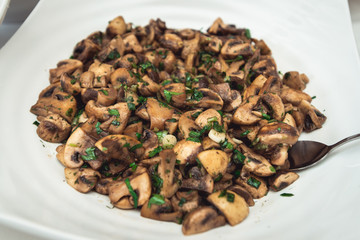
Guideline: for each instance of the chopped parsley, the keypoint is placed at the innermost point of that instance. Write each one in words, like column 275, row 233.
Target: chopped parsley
column 132, row 192
column 97, row 127
column 286, row 194
column 156, row 199
column 113, row 112
column 168, row 95
column 155, row 151
column 253, row 182
column 90, row 154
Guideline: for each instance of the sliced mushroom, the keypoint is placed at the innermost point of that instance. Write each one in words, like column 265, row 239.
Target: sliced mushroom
column 166, row 170
column 171, row 41
column 274, row 103
column 119, row 147
column 147, row 87
column 132, row 44
column 161, row 212
column 185, row 201
column 280, row 155
column 68, row 66
column 186, row 124
column 289, row 95
column 53, row 100
column 158, row 114
column 187, row 151
column 203, row 183
column 76, row 147
column 256, row 163
column 201, row 220
column 255, row 86
column 233, row 206
column 81, row 179
column 314, row 119
column 85, row 50
column 53, row 128
column 113, row 50
column 282, row 179
column 255, row 185
column 235, row 101
column 277, row 133
column 102, row 186
column 214, row 161
column 121, row 77
column 207, row 143
column 241, row 191
column 207, row 117
column 243, row 114
column 295, row 80
column 117, row 26
column 174, row 93
column 207, row 99
column 233, row 47
column 150, row 141
column 120, row 195
column 102, row 73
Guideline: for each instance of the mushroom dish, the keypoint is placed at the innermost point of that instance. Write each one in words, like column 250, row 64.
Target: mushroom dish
column 186, row 126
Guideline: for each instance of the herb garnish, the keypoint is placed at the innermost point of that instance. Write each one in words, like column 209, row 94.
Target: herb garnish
column 132, row 192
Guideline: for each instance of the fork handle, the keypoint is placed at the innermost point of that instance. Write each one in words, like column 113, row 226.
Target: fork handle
column 345, row 140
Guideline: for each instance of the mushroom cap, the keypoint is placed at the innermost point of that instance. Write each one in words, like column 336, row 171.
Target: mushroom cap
column 163, row 212
column 118, row 146
column 81, row 179
column 275, row 104
column 117, row 26
column 120, row 196
column 122, row 76
column 53, row 128
column 53, row 100
column 214, row 161
column 210, row 99
column 256, row 163
column 75, row 147
column 203, row 119
column 256, row 192
column 166, row 170
column 186, row 124
column 282, row 179
column 158, row 113
column 201, row 220
column 187, row 151
column 241, row 191
column 243, row 114
column 276, row 133
column 234, row 212
column 65, row 66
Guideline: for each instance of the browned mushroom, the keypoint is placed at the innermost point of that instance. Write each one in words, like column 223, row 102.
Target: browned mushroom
column 122, row 193
column 53, row 128
column 117, row 26
column 161, row 212
column 295, row 80
column 81, row 179
column 201, row 220
column 166, row 171
column 244, row 115
column 282, row 179
column 65, row 66
column 187, row 151
column 277, row 133
column 233, row 206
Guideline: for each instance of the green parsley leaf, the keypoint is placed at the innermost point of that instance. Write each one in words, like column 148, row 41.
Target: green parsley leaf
column 132, row 192
column 193, row 139
column 69, row 112
column 253, row 182
column 90, row 154
column 36, row 123
column 155, row 151
column 97, row 127
column 286, row 194
column 133, row 148
column 105, row 92
column 168, row 95
column 156, row 199
column 131, row 106
column 181, row 202
column 247, row 33
column 113, row 112
column 133, row 166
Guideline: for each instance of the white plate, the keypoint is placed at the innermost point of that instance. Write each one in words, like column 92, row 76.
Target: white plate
column 4, row 4
column 314, row 37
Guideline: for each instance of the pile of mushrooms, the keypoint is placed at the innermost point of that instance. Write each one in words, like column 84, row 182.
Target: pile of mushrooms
column 189, row 127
